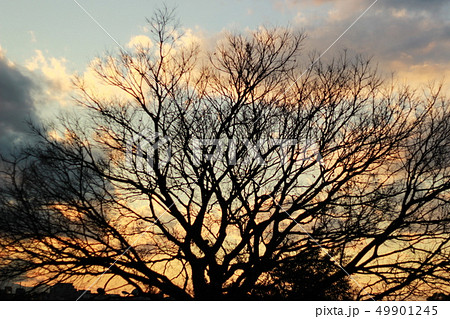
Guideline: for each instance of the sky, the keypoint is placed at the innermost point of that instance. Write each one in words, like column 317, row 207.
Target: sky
column 43, row 43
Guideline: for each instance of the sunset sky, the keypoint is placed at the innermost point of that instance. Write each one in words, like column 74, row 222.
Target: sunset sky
column 43, row 43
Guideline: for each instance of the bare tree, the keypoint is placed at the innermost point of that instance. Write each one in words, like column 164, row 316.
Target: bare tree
column 210, row 171
column 303, row 277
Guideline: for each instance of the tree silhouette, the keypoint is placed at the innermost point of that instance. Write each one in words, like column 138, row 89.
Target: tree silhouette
column 303, row 277
column 206, row 174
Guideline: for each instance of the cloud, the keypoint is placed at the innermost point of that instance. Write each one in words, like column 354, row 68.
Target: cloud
column 402, row 35
column 16, row 104
column 97, row 87
column 428, row 5
column 409, row 4
column 32, row 36
column 54, row 73
column 140, row 41
column 30, row 93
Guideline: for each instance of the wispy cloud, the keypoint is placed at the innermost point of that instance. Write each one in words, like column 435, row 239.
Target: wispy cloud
column 405, row 36
column 32, row 36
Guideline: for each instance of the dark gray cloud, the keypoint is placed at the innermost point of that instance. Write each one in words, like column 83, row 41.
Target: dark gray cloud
column 413, row 32
column 399, row 4
column 16, row 105
column 390, row 38
column 414, row 4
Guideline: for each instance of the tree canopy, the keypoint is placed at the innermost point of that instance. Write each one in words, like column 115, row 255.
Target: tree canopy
column 235, row 173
